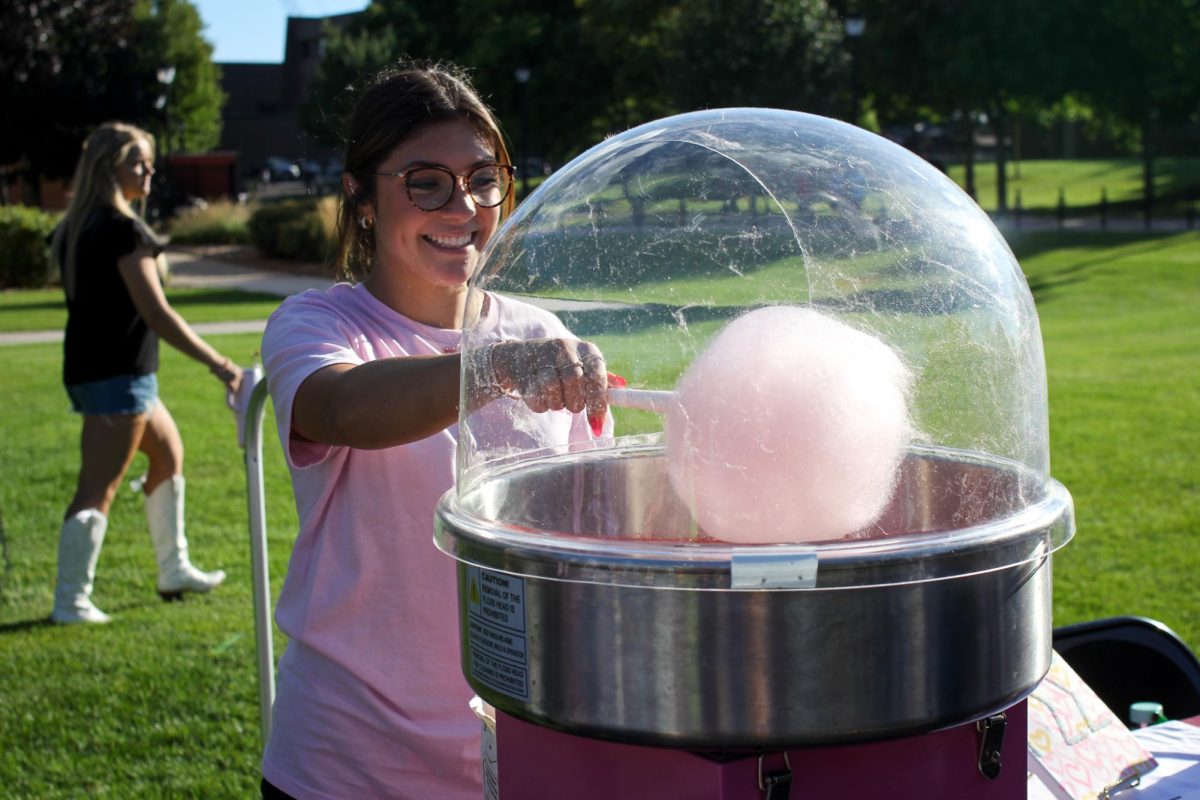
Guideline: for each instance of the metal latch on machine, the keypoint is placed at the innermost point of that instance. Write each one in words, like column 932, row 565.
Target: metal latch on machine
column 777, row 784
column 992, row 730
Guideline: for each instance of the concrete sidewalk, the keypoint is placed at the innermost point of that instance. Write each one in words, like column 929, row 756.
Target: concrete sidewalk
column 207, row 268
column 212, row 268
column 237, row 268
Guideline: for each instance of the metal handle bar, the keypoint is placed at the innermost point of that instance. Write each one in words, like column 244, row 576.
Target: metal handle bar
column 259, row 570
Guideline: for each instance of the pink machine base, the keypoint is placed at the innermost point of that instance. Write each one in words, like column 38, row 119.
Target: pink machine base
column 535, row 762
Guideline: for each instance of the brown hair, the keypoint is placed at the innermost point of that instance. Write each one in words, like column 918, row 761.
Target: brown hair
column 393, row 106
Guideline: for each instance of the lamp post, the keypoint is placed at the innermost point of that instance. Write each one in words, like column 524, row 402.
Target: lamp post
column 166, row 76
column 159, row 204
column 522, row 75
column 855, row 26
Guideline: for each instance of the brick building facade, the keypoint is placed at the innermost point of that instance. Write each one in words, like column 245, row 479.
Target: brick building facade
column 261, row 115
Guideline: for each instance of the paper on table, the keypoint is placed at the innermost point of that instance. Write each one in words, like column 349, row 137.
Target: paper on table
column 1176, row 746
column 1077, row 746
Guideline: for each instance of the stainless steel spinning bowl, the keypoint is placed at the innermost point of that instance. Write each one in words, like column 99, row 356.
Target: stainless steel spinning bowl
column 629, row 627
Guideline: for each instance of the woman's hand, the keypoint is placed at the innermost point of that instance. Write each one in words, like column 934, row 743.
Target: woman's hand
column 551, row 374
column 139, row 271
column 229, row 374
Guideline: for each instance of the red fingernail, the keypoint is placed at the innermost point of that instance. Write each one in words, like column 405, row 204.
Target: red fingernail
column 597, row 424
column 616, row 380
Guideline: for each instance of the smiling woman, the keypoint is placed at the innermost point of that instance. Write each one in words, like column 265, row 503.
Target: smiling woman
column 429, row 233
column 365, row 378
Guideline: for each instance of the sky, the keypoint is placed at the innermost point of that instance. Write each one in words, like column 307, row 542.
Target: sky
column 254, row 30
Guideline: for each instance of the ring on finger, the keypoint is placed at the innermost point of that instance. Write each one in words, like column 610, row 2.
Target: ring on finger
column 572, row 365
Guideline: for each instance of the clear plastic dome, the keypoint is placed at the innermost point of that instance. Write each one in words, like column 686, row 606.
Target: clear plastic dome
column 657, row 239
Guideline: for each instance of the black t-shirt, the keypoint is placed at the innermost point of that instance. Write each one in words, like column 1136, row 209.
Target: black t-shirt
column 105, row 335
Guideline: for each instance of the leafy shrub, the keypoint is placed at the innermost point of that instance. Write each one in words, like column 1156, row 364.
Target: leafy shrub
column 216, row 223
column 297, row 230
column 25, row 248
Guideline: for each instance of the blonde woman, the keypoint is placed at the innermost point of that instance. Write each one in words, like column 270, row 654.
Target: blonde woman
column 110, row 263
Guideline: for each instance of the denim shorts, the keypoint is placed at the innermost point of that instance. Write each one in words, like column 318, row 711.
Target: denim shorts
column 123, row 394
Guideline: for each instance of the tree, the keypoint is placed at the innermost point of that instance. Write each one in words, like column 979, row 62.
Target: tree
column 598, row 66
column 544, row 35
column 772, row 53
column 74, row 61
column 170, row 35
column 969, row 63
column 553, row 114
column 350, row 55
column 382, row 34
column 84, row 63
column 1139, row 62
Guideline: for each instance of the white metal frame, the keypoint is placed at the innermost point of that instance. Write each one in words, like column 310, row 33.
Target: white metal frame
column 252, row 418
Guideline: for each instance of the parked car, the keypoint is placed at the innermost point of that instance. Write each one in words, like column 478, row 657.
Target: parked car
column 310, row 169
column 277, row 169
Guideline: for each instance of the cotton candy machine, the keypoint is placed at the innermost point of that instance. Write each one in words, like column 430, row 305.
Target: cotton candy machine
column 601, row 607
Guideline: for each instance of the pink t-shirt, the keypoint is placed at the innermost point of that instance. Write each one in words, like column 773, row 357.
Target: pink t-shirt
column 370, row 698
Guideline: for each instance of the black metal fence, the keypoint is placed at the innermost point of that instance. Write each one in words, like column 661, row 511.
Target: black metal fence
column 1102, row 213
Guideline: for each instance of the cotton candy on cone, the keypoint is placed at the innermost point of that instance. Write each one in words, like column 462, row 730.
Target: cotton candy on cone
column 789, row 427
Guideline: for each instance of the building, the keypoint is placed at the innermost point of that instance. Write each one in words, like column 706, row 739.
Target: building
column 260, row 120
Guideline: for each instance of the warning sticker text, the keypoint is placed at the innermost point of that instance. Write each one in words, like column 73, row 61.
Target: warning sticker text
column 496, row 631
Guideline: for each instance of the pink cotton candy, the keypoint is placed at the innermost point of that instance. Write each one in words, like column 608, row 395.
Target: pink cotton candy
column 789, row 427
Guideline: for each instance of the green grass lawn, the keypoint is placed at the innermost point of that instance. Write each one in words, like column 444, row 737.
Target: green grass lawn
column 1122, row 338
column 1082, row 181
column 44, row 309
column 163, row 702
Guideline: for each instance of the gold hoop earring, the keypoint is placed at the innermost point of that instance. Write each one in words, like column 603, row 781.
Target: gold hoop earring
column 365, row 223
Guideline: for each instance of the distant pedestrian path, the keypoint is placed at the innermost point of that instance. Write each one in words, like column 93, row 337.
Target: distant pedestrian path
column 241, row 268
column 1091, row 222
column 216, row 268
column 203, row 328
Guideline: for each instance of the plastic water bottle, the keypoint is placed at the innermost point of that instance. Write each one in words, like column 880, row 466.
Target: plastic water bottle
column 1146, row 713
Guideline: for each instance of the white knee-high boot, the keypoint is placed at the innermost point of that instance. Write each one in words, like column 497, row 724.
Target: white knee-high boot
column 79, row 544
column 176, row 575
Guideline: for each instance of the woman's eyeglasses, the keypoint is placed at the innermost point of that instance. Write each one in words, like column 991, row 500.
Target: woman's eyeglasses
column 430, row 188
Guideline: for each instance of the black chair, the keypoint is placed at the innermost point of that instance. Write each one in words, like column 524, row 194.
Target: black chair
column 1132, row 659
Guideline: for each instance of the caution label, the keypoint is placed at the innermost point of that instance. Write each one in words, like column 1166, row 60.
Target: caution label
column 496, row 631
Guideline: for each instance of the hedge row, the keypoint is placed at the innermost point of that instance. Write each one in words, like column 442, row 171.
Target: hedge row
column 220, row 222
column 25, row 248
column 296, row 230
column 299, row 229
